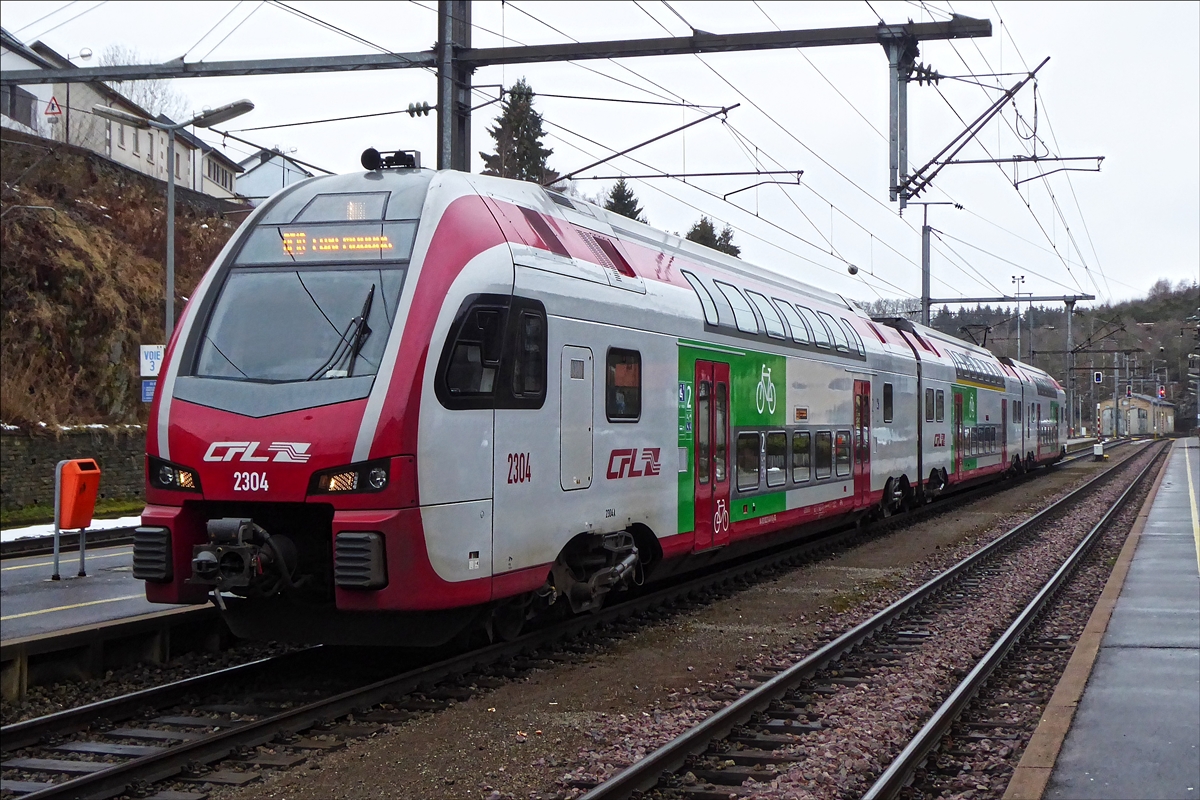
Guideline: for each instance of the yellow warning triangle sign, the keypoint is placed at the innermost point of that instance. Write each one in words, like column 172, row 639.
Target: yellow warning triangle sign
column 53, row 109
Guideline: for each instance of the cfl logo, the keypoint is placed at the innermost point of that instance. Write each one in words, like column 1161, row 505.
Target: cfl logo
column 286, row 452
column 622, row 463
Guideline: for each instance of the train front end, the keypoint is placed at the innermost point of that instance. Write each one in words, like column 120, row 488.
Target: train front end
column 281, row 455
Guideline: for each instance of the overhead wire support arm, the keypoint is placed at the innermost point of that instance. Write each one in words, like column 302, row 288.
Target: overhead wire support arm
column 605, row 160
column 798, row 173
column 919, row 181
column 692, row 175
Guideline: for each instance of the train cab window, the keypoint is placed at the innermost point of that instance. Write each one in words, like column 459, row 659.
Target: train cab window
column 842, row 453
column 839, row 335
column 799, row 329
column 344, row 207
column 529, row 361
column 623, row 390
column 940, row 406
column 824, row 454
column 801, row 456
column 475, row 357
column 776, row 458
column 887, row 402
column 748, row 461
column 929, row 405
column 768, row 313
column 821, row 334
column 743, row 317
column 706, row 301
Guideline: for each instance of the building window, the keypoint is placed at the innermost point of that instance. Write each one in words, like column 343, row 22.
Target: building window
column 887, row 402
column 623, row 396
column 137, row 141
column 929, row 405
column 747, row 461
column 121, row 135
column 776, row 458
column 842, row 450
column 824, row 454
column 801, row 456
column 149, row 147
column 941, row 406
column 18, row 105
column 177, row 165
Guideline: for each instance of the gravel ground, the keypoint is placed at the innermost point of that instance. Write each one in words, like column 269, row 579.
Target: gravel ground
column 543, row 734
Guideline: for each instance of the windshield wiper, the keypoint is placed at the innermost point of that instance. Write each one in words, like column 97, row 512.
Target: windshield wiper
column 349, row 343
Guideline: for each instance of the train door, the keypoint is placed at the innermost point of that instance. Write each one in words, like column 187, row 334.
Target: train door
column 712, row 455
column 862, row 443
column 959, row 434
column 1004, row 432
column 575, row 419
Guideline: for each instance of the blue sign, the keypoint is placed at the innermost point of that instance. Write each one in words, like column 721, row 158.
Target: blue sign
column 148, row 390
column 1098, row 376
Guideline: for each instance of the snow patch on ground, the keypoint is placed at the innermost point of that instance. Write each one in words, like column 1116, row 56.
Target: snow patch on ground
column 32, row 531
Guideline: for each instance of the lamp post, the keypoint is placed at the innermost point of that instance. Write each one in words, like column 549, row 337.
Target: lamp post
column 1018, row 280
column 204, row 119
column 85, row 54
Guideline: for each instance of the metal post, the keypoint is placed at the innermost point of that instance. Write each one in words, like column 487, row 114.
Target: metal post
column 169, row 327
column 925, row 229
column 893, row 52
column 454, row 86
column 82, row 552
column 1071, row 426
column 57, row 501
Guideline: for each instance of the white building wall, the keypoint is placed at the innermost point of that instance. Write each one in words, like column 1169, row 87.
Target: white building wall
column 10, row 60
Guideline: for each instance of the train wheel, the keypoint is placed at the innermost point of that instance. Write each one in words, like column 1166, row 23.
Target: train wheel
column 508, row 620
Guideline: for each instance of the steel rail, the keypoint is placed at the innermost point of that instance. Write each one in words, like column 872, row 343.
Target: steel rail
column 897, row 775
column 672, row 755
column 174, row 759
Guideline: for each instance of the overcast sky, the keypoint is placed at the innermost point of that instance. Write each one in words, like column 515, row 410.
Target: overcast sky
column 1122, row 83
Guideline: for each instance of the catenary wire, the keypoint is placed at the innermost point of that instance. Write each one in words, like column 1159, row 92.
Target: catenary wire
column 44, row 16
column 234, row 30
column 72, row 19
column 208, row 32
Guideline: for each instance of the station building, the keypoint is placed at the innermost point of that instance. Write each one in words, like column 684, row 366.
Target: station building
column 1137, row 415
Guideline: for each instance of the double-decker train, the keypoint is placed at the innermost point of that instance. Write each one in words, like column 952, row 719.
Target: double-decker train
column 403, row 404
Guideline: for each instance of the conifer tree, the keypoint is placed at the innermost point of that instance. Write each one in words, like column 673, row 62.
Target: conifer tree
column 621, row 200
column 518, row 135
column 705, row 233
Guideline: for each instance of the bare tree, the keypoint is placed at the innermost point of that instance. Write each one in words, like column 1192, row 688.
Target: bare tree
column 156, row 96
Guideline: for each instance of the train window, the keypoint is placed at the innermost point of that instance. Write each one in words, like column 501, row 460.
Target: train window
column 747, row 461
column 769, row 314
column 776, row 458
column 706, row 301
column 820, row 332
column 842, row 451
column 887, row 402
column 799, row 329
column 941, row 406
column 623, row 395
column 703, row 454
column 542, row 228
column 929, row 405
column 742, row 315
column 344, row 207
column 720, row 457
column 529, row 358
column 839, row 335
column 854, row 342
column 824, row 454
column 475, row 357
column 801, row 456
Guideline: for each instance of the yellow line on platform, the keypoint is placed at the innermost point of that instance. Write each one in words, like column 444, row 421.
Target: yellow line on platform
column 1192, row 497
column 75, row 605
column 51, row 563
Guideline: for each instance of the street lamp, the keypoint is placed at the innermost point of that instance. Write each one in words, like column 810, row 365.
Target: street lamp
column 84, row 55
column 1018, row 280
column 204, row 119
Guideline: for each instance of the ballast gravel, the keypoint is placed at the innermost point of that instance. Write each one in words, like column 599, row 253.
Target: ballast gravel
column 555, row 732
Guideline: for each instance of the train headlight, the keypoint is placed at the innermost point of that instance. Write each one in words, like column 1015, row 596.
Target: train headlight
column 369, row 476
column 165, row 475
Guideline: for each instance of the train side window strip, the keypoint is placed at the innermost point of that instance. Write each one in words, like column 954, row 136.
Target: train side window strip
column 748, row 463
column 855, row 343
column 842, row 452
column 839, row 336
column 941, row 405
column 743, row 316
column 776, row 458
column 801, row 457
column 929, row 405
column 623, row 390
column 821, row 334
column 769, row 314
column 887, row 402
column 824, row 454
column 706, row 301
column 544, row 231
column 529, row 365
column 800, row 331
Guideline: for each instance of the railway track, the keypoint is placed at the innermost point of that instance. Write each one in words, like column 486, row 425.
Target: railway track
column 812, row 727
column 166, row 742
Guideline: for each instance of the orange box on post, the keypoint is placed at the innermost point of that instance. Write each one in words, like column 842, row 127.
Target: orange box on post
column 77, row 498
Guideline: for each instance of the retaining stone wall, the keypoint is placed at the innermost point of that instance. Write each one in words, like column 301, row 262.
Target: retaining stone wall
column 27, row 460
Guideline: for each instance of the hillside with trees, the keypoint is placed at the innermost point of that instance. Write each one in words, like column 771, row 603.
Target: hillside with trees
column 82, row 279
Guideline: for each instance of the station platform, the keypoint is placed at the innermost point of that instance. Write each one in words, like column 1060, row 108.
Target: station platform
column 32, row 604
column 1131, row 716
